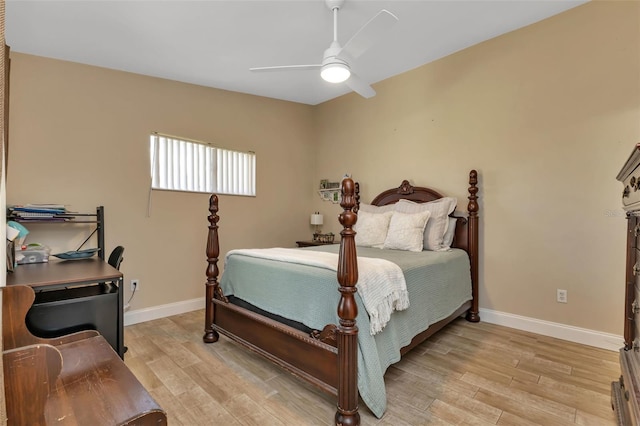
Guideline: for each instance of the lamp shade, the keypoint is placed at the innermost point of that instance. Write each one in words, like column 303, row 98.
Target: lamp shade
column 316, row 219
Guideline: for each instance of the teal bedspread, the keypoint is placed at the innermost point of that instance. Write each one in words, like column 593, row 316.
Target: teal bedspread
column 438, row 283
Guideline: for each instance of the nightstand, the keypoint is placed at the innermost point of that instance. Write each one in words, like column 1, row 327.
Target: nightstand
column 312, row 243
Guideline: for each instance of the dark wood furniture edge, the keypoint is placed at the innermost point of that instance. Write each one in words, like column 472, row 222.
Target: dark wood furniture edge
column 622, row 398
column 93, row 364
column 26, row 370
column 618, row 403
column 625, row 392
column 630, row 280
column 75, row 363
column 15, row 333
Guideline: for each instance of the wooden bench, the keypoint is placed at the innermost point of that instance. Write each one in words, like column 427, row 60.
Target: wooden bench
column 77, row 379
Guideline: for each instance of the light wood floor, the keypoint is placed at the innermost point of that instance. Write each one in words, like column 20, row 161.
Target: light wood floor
column 479, row 374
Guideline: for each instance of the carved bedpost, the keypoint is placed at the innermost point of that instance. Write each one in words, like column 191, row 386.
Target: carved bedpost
column 357, row 207
column 473, row 313
column 347, row 336
column 213, row 250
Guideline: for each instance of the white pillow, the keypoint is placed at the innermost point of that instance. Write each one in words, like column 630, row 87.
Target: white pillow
column 370, row 208
column 406, row 231
column 437, row 226
column 450, row 233
column 371, row 228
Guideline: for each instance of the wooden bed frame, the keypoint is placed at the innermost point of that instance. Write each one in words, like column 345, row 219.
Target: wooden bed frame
column 328, row 358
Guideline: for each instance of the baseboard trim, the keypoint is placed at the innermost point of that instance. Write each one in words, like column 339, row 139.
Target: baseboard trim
column 584, row 336
column 156, row 312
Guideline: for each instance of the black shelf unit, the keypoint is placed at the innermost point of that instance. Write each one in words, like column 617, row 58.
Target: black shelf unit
column 79, row 218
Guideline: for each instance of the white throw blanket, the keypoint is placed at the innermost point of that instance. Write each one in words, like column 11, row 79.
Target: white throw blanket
column 381, row 283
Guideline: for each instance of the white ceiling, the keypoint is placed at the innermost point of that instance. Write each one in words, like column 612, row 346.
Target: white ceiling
column 214, row 42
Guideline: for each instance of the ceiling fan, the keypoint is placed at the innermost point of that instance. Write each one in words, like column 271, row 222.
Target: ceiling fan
column 336, row 61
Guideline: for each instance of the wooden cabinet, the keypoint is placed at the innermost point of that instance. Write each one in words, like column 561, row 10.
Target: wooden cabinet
column 625, row 393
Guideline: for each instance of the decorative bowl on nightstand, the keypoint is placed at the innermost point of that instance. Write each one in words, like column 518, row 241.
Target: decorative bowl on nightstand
column 324, row 238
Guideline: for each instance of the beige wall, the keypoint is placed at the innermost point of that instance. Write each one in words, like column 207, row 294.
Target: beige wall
column 79, row 136
column 547, row 114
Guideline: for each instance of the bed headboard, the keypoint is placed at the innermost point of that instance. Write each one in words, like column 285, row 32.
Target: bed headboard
column 420, row 194
column 407, row 192
column 466, row 235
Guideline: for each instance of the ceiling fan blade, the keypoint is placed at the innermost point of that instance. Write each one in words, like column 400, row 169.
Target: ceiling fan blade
column 359, row 86
column 370, row 33
column 287, row 68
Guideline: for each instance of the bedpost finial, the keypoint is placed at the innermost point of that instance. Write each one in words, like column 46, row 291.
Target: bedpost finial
column 213, row 204
column 473, row 177
column 473, row 190
column 348, row 217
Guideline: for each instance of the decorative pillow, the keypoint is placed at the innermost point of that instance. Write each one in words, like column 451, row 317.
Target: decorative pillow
column 406, row 231
column 450, row 233
column 437, row 226
column 371, row 228
column 370, row 208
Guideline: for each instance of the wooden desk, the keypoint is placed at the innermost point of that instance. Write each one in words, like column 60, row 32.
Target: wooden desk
column 63, row 273
column 68, row 287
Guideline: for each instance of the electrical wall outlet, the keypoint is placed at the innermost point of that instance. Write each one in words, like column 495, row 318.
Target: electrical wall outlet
column 135, row 285
column 561, row 296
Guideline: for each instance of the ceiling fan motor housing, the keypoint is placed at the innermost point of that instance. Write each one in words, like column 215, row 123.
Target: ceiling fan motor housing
column 331, row 55
column 334, row 69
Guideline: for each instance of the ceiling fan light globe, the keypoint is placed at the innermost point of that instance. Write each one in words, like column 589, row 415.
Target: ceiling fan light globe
column 335, row 73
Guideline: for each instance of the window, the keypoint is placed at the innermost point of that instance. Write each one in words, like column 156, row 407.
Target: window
column 183, row 165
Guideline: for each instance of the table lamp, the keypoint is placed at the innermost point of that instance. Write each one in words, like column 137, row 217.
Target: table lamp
column 316, row 220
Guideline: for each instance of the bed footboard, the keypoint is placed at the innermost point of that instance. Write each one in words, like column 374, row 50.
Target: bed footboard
column 291, row 349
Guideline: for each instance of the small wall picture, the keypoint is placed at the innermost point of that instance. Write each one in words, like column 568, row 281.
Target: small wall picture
column 336, row 196
column 324, row 183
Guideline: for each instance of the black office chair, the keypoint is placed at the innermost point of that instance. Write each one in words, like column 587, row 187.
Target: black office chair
column 115, row 258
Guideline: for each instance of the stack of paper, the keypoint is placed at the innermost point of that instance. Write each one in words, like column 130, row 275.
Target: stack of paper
column 54, row 212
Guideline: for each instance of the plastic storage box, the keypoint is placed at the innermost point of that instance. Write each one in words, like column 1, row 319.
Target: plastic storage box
column 32, row 254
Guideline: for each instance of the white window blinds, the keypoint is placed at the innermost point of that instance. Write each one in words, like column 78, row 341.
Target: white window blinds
column 183, row 165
